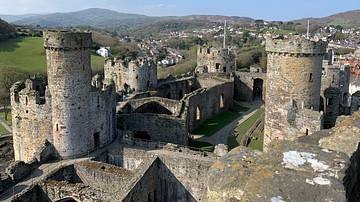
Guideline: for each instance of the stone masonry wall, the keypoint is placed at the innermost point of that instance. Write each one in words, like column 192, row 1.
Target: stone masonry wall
column 69, row 83
column 244, row 85
column 212, row 60
column 205, row 103
column 293, row 76
column 31, row 121
column 140, row 74
column 159, row 127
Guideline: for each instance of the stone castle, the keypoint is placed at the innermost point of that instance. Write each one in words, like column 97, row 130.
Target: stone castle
column 70, row 113
column 76, row 114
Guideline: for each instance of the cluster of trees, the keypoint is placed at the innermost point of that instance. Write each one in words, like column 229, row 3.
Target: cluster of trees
column 118, row 48
column 6, row 30
column 255, row 56
column 8, row 76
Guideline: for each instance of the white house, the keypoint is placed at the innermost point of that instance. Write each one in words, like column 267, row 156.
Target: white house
column 104, row 52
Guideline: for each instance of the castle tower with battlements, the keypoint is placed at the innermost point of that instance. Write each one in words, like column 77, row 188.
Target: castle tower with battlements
column 293, row 88
column 139, row 74
column 69, row 77
column 71, row 114
column 212, row 60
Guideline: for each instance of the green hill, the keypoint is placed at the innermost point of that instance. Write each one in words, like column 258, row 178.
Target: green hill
column 27, row 54
column 347, row 19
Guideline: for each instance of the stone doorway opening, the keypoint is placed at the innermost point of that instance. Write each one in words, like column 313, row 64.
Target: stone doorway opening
column 96, row 140
column 257, row 89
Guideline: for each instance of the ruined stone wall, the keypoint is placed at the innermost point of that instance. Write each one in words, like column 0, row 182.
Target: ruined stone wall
column 308, row 121
column 203, row 104
column 212, row 60
column 140, row 74
column 69, row 83
column 293, row 75
column 103, row 116
column 159, row 127
column 103, row 177
column 31, row 118
column 244, row 85
column 190, row 172
column 181, row 174
column 175, row 89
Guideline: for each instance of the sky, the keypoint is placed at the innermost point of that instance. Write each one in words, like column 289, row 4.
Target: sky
column 282, row 10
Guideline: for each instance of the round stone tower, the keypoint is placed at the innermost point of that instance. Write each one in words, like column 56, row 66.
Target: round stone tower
column 69, row 83
column 293, row 82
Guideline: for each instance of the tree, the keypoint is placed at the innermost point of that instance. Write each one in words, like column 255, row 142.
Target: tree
column 10, row 75
column 5, row 102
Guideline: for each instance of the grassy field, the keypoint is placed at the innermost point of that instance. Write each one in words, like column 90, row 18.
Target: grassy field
column 28, row 54
column 243, row 128
column 209, row 127
column 2, row 117
column 3, row 130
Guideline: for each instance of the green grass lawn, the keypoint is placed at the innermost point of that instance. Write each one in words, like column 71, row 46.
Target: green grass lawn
column 3, row 130
column 28, row 54
column 2, row 117
column 202, row 146
column 243, row 128
column 257, row 144
column 210, row 126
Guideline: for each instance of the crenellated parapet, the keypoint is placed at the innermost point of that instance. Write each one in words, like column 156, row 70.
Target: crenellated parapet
column 295, row 46
column 64, row 40
column 214, row 60
column 31, row 117
column 293, row 82
column 139, row 74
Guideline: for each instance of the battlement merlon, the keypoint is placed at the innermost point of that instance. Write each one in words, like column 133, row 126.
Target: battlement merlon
column 295, row 45
column 139, row 62
column 67, row 40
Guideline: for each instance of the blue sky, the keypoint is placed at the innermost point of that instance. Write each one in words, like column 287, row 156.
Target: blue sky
column 283, row 10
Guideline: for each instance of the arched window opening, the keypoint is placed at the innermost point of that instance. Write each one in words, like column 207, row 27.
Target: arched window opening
column 198, row 114
column 222, row 101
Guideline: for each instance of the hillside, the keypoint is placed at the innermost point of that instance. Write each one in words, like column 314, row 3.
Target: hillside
column 346, row 19
column 12, row 18
column 6, row 30
column 101, row 18
column 112, row 20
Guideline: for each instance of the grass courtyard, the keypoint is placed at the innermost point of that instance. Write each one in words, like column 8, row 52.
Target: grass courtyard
column 243, row 128
column 212, row 125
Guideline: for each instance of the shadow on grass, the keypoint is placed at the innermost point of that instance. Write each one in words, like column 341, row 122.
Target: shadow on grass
column 214, row 124
column 10, row 45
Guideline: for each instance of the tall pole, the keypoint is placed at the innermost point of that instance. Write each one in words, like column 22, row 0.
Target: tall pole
column 308, row 28
column 224, row 45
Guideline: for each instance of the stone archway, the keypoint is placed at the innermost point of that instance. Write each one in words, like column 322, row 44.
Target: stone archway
column 153, row 108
